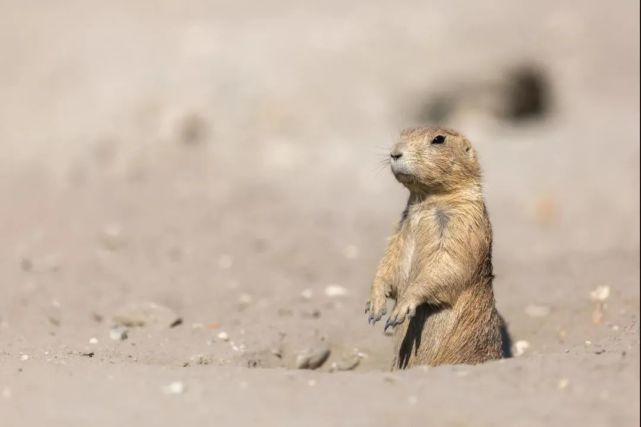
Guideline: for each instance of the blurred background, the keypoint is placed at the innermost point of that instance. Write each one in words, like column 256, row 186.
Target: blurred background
column 223, row 160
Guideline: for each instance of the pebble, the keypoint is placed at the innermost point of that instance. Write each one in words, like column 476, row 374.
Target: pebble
column 112, row 237
column 24, row 357
column 348, row 362
column 335, row 291
column 313, row 357
column 245, row 299
column 600, row 293
column 223, row 336
column 118, row 333
column 313, row 314
column 93, row 340
column 520, row 347
column 534, row 310
column 588, row 342
column 142, row 314
column 176, row 387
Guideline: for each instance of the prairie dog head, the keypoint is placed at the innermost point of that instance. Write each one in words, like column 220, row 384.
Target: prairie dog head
column 434, row 160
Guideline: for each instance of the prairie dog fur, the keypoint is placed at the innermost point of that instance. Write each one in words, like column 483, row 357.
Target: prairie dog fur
column 438, row 263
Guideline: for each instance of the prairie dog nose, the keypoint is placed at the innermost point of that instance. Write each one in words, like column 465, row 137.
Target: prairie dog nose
column 395, row 155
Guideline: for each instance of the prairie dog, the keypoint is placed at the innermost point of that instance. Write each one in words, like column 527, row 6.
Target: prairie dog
column 438, row 263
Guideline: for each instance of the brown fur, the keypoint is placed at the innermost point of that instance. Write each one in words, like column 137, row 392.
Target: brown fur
column 438, row 264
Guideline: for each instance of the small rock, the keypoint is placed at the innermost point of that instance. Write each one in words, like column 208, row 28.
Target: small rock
column 176, row 387
column 313, row 357
column 245, row 300
column 588, row 342
column 254, row 363
column 346, row 363
column 600, row 293
column 520, row 347
column 24, row 357
column 93, row 340
column 54, row 319
column 277, row 351
column 112, row 237
column 26, row 264
column 119, row 333
column 335, row 291
column 313, row 314
column 146, row 314
column 534, row 310
column 193, row 129
column 223, row 336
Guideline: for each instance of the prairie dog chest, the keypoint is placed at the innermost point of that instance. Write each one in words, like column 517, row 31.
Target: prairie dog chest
column 421, row 231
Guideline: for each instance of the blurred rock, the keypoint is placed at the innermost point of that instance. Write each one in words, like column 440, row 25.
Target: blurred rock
column 335, row 291
column 600, row 293
column 520, row 347
column 112, row 237
column 145, row 314
column 118, row 333
column 176, row 387
column 527, row 93
column 347, row 362
column 519, row 93
column 193, row 130
column 313, row 357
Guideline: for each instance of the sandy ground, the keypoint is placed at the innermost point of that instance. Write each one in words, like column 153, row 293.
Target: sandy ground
column 221, row 160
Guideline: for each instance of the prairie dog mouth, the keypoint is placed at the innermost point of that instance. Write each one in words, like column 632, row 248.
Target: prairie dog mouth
column 404, row 177
column 401, row 169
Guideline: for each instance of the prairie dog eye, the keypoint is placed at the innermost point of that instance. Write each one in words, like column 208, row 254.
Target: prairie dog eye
column 439, row 139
